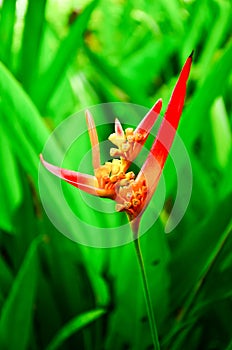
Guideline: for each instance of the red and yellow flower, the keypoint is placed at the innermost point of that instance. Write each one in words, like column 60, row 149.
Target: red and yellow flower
column 113, row 179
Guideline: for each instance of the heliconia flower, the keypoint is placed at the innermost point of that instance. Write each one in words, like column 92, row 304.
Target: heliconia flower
column 112, row 180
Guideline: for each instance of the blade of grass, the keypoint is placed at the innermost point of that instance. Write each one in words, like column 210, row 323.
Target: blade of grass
column 17, row 312
column 20, row 104
column 201, row 242
column 216, row 34
column 74, row 326
column 31, row 42
column 194, row 29
column 6, row 277
column 188, row 307
column 229, row 347
column 173, row 13
column 62, row 60
column 6, row 30
column 10, row 189
column 212, row 87
column 221, row 132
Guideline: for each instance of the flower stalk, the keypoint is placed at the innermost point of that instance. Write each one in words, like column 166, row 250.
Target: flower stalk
column 151, row 317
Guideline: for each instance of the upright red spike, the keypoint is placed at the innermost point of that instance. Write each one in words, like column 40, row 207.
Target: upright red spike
column 166, row 134
column 161, row 147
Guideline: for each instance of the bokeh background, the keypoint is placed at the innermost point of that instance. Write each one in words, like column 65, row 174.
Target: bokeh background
column 58, row 57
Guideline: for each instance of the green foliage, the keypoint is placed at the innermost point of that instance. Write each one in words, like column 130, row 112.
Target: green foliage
column 17, row 311
column 73, row 326
column 57, row 59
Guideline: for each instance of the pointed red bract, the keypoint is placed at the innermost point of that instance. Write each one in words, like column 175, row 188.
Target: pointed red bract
column 94, row 140
column 166, row 134
column 152, row 168
column 84, row 182
column 149, row 120
column 146, row 125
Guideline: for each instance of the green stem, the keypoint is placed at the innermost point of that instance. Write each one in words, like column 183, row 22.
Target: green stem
column 151, row 317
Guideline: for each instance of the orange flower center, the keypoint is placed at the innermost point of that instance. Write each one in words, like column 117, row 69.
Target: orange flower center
column 131, row 196
column 113, row 176
column 111, row 172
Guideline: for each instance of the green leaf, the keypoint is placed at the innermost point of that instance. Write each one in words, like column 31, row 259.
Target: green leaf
column 194, row 28
column 221, row 132
column 217, row 33
column 18, row 103
column 17, row 311
column 74, row 326
column 31, row 42
column 6, row 30
column 6, row 277
column 194, row 250
column 197, row 112
column 62, row 60
column 10, row 188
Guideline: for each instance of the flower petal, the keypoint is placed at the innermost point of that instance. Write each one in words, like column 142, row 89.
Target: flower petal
column 84, row 182
column 93, row 139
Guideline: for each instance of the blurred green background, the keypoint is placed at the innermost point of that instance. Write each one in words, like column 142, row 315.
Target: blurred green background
column 58, row 57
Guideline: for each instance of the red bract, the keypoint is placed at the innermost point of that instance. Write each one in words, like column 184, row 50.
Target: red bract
column 112, row 180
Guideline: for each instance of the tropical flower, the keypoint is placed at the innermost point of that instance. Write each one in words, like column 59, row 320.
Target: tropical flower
column 113, row 180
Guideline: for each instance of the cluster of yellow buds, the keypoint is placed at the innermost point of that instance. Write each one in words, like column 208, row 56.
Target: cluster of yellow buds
column 111, row 172
column 126, row 143
column 129, row 194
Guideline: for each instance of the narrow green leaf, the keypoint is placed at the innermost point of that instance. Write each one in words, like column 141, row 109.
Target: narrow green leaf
column 226, row 183
column 74, row 326
column 221, row 132
column 15, row 98
column 10, row 188
column 229, row 347
column 6, row 276
column 200, row 242
column 216, row 34
column 6, row 30
column 62, row 60
column 31, row 43
column 173, row 13
column 194, row 29
column 213, row 86
column 17, row 312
